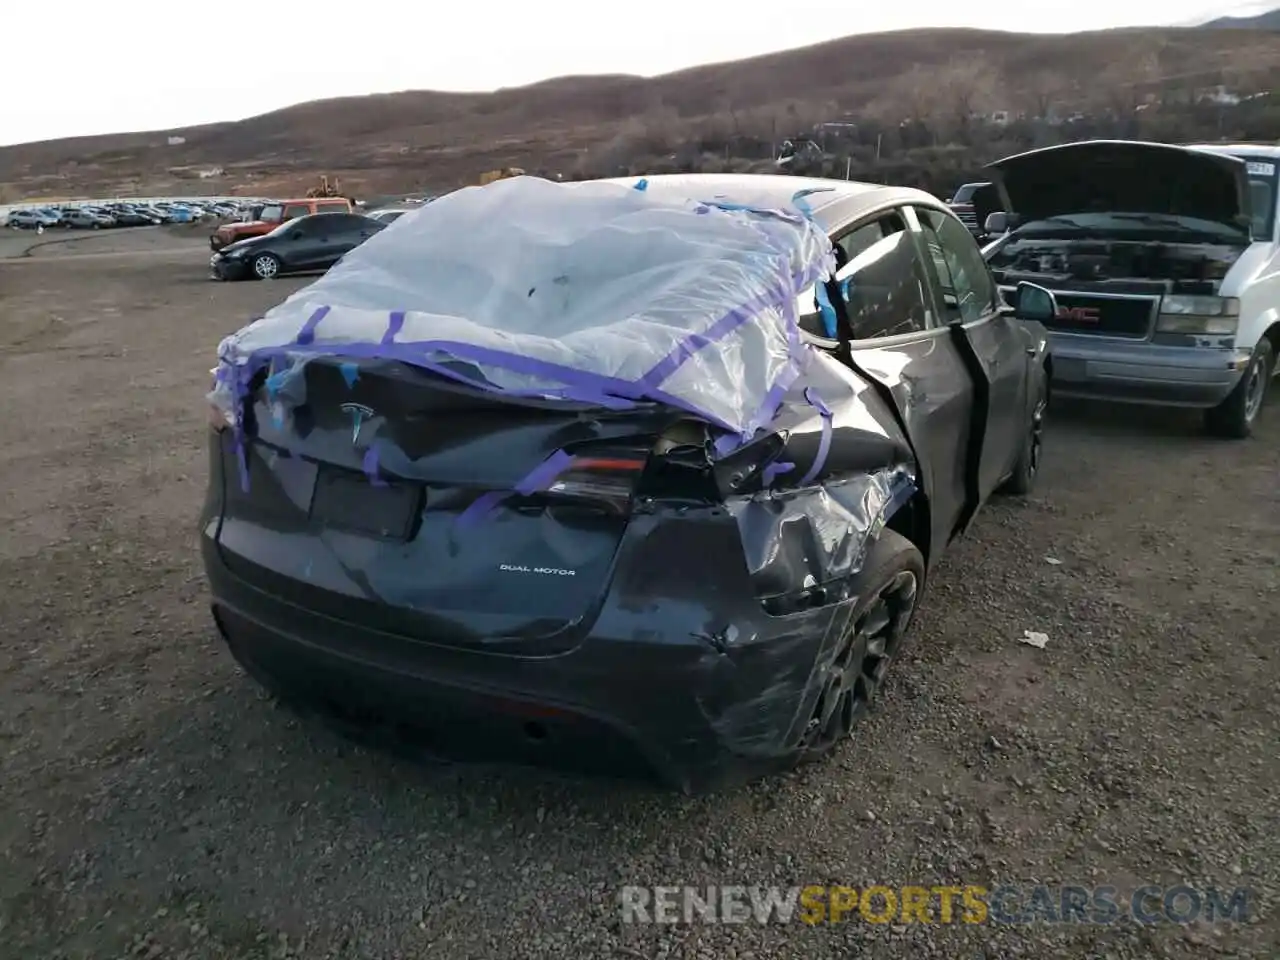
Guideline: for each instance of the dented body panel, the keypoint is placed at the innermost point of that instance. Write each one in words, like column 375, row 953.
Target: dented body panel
column 550, row 579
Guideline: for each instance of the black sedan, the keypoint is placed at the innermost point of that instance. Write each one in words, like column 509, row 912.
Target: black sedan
column 650, row 603
column 307, row 244
column 133, row 217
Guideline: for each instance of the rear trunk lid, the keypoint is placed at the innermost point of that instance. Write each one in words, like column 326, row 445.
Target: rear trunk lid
column 381, row 493
column 1129, row 176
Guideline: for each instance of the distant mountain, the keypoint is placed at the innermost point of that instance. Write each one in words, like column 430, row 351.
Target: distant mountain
column 430, row 140
column 1263, row 21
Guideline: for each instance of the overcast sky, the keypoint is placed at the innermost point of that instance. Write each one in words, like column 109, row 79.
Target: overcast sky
column 157, row 64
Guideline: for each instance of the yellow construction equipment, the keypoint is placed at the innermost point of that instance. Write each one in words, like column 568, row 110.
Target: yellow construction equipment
column 326, row 189
column 492, row 175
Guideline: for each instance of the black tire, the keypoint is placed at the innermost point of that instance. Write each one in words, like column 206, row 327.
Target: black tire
column 1235, row 417
column 266, row 266
column 873, row 637
column 1027, row 467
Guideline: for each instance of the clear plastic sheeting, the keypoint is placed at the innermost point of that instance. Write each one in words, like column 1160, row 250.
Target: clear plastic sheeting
column 591, row 291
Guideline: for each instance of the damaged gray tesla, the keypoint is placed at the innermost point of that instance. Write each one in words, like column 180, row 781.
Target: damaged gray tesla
column 623, row 477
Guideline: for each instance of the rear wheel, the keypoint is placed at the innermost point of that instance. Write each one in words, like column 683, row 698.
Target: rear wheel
column 1235, row 417
column 266, row 266
column 872, row 639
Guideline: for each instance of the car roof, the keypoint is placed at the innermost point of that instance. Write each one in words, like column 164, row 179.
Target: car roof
column 776, row 191
column 1240, row 149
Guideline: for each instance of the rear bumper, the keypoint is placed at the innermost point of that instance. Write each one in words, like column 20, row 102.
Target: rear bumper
column 661, row 703
column 1142, row 372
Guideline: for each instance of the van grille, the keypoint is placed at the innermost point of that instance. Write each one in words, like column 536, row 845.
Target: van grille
column 1106, row 316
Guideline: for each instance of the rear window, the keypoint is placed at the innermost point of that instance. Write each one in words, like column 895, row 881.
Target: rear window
column 965, row 193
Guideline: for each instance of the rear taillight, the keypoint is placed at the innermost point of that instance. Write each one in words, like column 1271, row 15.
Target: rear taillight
column 604, row 478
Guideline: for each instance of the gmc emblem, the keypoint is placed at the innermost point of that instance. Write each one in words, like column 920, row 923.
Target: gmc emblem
column 1079, row 314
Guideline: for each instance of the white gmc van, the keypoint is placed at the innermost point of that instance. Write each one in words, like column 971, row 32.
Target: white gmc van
column 1165, row 261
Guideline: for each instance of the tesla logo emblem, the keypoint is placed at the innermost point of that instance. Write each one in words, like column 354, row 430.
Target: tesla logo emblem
column 1079, row 314
column 358, row 413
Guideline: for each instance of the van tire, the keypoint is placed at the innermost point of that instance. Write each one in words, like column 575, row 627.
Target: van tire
column 1235, row 417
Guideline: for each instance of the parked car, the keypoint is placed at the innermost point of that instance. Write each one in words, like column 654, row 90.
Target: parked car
column 1166, row 267
column 304, row 244
column 155, row 213
column 86, row 219
column 387, row 216
column 133, row 217
column 32, row 220
column 598, row 581
column 973, row 203
column 274, row 214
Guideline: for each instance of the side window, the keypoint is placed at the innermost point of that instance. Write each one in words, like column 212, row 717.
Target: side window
column 884, row 286
column 296, row 210
column 966, row 283
column 856, row 241
column 881, row 281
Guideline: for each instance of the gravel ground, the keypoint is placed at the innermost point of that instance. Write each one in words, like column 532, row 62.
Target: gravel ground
column 154, row 803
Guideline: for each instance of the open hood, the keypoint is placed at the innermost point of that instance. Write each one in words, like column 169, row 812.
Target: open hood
column 1124, row 176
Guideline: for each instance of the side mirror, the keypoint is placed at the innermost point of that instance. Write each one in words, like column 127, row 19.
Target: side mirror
column 1033, row 302
column 998, row 223
column 295, row 234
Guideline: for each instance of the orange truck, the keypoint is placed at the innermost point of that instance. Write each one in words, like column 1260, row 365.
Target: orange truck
column 272, row 215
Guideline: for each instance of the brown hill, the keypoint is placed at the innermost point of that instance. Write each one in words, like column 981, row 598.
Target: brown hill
column 427, row 139
column 1263, row 21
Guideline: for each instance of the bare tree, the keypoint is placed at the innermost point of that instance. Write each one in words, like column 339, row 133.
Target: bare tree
column 1129, row 82
column 968, row 90
column 909, row 100
column 1041, row 91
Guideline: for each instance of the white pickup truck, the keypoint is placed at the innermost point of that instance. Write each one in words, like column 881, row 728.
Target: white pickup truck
column 1165, row 261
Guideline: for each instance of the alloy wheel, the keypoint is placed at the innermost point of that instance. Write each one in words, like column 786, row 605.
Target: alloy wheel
column 1255, row 389
column 862, row 659
column 266, row 267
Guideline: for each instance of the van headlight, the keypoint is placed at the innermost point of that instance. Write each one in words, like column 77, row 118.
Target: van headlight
column 1208, row 316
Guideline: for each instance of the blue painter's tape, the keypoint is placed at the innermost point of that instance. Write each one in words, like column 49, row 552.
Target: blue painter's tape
column 775, row 470
column 828, row 311
column 824, row 443
column 350, row 373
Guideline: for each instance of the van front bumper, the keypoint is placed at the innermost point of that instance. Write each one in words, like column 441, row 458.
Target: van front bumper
column 1144, row 372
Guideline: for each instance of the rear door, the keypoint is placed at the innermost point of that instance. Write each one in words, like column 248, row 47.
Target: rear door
column 306, row 244
column 897, row 339
column 339, row 234
column 972, row 304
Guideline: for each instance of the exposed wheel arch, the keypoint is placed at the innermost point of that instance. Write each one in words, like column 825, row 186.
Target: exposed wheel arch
column 913, row 521
column 1272, row 333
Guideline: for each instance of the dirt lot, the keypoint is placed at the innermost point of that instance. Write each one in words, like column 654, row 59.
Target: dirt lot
column 154, row 803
